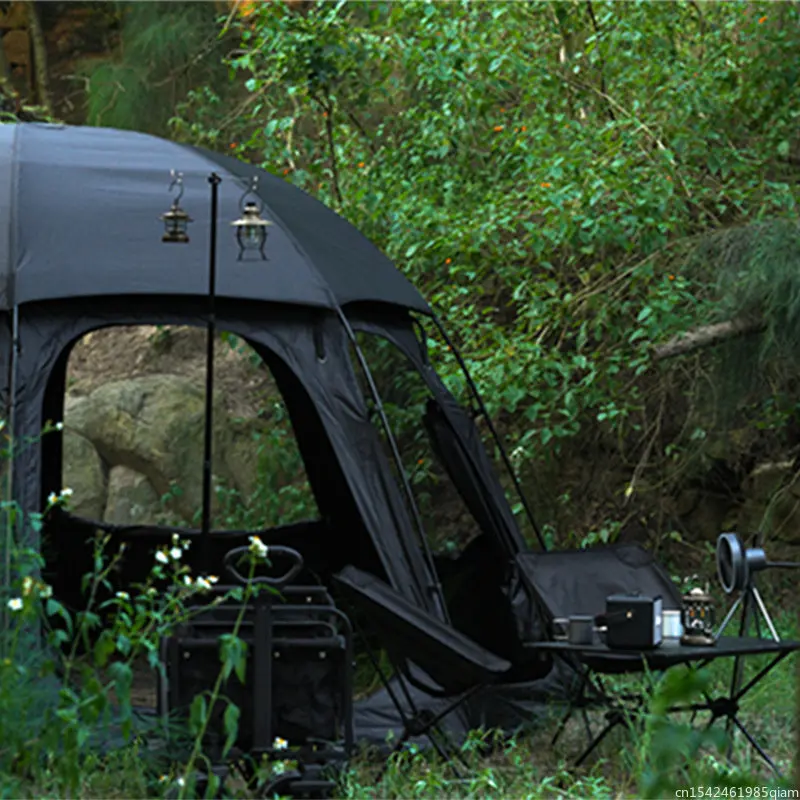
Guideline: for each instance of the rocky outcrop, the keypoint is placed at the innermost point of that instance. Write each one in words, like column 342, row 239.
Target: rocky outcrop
column 132, row 442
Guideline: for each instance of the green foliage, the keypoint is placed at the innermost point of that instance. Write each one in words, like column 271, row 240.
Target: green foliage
column 164, row 49
column 547, row 174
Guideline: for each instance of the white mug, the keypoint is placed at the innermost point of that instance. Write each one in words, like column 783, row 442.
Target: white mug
column 672, row 627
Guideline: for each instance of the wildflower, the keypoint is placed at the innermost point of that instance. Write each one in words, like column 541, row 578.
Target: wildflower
column 257, row 547
column 59, row 426
column 52, row 499
column 280, row 744
column 762, row 20
column 187, row 580
column 176, row 553
column 233, row 145
column 15, row 604
column 161, row 557
column 203, row 583
column 66, row 492
column 27, row 585
column 123, row 596
column 45, row 591
column 671, row 277
column 502, row 111
column 498, row 128
column 361, row 165
column 448, row 261
column 421, row 461
column 524, row 128
column 545, row 185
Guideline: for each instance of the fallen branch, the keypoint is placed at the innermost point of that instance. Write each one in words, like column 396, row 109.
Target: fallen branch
column 707, row 336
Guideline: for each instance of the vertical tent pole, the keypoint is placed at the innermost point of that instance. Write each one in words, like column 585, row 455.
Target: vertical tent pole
column 9, row 512
column 492, row 429
column 205, row 525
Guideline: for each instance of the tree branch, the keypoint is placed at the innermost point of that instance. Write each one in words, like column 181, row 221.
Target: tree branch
column 707, row 336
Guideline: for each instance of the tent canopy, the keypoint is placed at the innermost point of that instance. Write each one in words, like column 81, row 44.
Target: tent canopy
column 81, row 207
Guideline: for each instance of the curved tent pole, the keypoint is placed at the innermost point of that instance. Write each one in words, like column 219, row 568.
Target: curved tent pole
column 437, row 586
column 492, row 429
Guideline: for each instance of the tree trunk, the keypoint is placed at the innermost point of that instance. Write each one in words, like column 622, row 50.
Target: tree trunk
column 39, row 56
column 707, row 336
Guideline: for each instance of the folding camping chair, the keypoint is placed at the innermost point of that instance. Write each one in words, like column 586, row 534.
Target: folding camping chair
column 415, row 640
column 298, row 679
column 566, row 583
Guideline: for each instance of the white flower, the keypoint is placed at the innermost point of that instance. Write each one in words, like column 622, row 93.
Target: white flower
column 123, row 596
column 52, row 499
column 280, row 744
column 59, row 426
column 15, row 604
column 257, row 547
column 187, row 580
column 67, row 492
column 202, row 583
column 45, row 590
column 212, row 579
column 278, row 768
column 161, row 557
column 176, row 553
column 27, row 585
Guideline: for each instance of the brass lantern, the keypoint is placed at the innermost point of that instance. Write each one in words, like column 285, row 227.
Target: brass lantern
column 176, row 220
column 698, row 618
column 251, row 229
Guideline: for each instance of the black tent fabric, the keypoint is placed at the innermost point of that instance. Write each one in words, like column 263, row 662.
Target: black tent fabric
column 79, row 211
column 329, row 384
column 454, row 436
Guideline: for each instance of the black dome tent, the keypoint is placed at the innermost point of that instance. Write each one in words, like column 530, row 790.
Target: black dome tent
column 81, row 250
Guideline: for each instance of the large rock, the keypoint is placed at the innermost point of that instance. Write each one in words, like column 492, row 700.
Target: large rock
column 131, row 499
column 84, row 473
column 154, row 425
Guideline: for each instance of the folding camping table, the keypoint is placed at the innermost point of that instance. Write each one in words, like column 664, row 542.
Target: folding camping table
column 590, row 661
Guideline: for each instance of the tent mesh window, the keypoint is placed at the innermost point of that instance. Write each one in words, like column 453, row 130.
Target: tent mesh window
column 134, row 441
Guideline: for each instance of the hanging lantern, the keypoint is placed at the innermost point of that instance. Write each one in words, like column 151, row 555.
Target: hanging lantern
column 176, row 220
column 698, row 618
column 251, row 229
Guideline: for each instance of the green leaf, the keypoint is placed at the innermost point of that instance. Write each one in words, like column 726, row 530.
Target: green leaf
column 198, row 712
column 231, row 727
column 104, row 647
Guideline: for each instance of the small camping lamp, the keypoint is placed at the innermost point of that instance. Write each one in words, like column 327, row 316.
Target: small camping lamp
column 251, row 229
column 176, row 220
column 698, row 618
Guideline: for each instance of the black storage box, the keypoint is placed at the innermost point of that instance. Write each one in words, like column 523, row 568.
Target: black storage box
column 633, row 622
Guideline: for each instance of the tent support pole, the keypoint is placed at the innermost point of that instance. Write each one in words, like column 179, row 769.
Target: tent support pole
column 506, row 460
column 211, row 332
column 436, row 587
column 9, row 491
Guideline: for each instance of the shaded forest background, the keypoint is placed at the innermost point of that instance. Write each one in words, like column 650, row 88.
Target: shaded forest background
column 600, row 199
